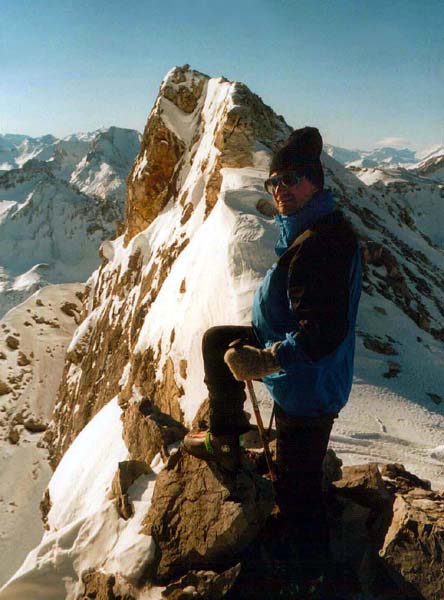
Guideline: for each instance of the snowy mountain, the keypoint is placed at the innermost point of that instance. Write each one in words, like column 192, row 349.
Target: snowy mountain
column 379, row 157
column 342, row 155
column 432, row 166
column 433, row 152
column 199, row 236
column 56, row 209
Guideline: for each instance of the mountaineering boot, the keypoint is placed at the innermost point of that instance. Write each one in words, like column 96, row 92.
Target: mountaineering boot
column 223, row 449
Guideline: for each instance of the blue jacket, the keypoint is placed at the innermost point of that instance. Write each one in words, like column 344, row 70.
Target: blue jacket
column 308, row 301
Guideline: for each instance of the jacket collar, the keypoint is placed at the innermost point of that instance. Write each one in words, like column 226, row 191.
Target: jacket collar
column 291, row 226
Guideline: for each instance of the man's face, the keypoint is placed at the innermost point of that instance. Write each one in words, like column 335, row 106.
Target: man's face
column 292, row 198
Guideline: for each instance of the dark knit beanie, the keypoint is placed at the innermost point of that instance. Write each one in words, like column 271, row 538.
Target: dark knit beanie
column 301, row 152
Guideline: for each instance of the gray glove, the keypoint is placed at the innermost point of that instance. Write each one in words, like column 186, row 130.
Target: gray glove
column 248, row 362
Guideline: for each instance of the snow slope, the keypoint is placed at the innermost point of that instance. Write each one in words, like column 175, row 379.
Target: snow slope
column 43, row 329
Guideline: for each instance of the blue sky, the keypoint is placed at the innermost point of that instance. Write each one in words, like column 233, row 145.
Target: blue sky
column 364, row 72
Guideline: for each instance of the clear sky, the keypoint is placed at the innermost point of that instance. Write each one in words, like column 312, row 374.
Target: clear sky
column 367, row 73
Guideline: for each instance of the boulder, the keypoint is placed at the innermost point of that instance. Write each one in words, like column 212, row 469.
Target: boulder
column 35, row 425
column 364, row 484
column 201, row 517
column 12, row 342
column 398, row 480
column 414, row 545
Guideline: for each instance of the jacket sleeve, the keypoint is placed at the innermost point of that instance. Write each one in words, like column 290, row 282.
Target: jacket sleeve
column 318, row 295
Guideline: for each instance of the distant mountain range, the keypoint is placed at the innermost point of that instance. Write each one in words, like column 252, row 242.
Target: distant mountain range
column 385, row 156
column 59, row 199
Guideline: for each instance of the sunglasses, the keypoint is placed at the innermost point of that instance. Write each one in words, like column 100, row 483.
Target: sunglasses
column 288, row 179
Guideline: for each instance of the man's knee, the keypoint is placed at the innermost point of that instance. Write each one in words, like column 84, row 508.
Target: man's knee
column 213, row 337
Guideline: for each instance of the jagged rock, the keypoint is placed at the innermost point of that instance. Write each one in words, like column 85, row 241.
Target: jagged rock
column 127, row 473
column 45, row 507
column 2, row 356
column 203, row 585
column 4, row 388
column 414, row 544
column 12, row 342
column 398, row 480
column 202, row 518
column 364, row 485
column 102, row 586
column 147, row 431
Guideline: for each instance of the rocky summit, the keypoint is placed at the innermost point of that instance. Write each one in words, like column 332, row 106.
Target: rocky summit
column 127, row 514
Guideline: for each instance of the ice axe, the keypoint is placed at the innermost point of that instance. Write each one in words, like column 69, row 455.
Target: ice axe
column 257, row 413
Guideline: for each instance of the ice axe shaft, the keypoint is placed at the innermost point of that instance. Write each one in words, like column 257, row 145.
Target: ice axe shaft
column 260, row 426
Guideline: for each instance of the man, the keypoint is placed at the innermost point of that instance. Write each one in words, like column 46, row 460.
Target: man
column 300, row 344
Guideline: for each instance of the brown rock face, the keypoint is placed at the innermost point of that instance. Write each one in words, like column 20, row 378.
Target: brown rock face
column 413, row 547
column 102, row 586
column 127, row 473
column 151, row 182
column 148, row 195
column 147, row 431
column 200, row 517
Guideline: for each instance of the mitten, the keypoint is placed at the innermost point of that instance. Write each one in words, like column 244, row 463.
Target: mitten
column 248, row 362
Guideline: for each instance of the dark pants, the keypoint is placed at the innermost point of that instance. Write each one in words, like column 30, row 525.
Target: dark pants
column 301, row 446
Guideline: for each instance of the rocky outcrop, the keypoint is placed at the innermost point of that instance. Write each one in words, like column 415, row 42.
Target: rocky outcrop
column 101, row 586
column 414, row 545
column 127, row 473
column 201, row 518
column 202, row 584
column 147, row 431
